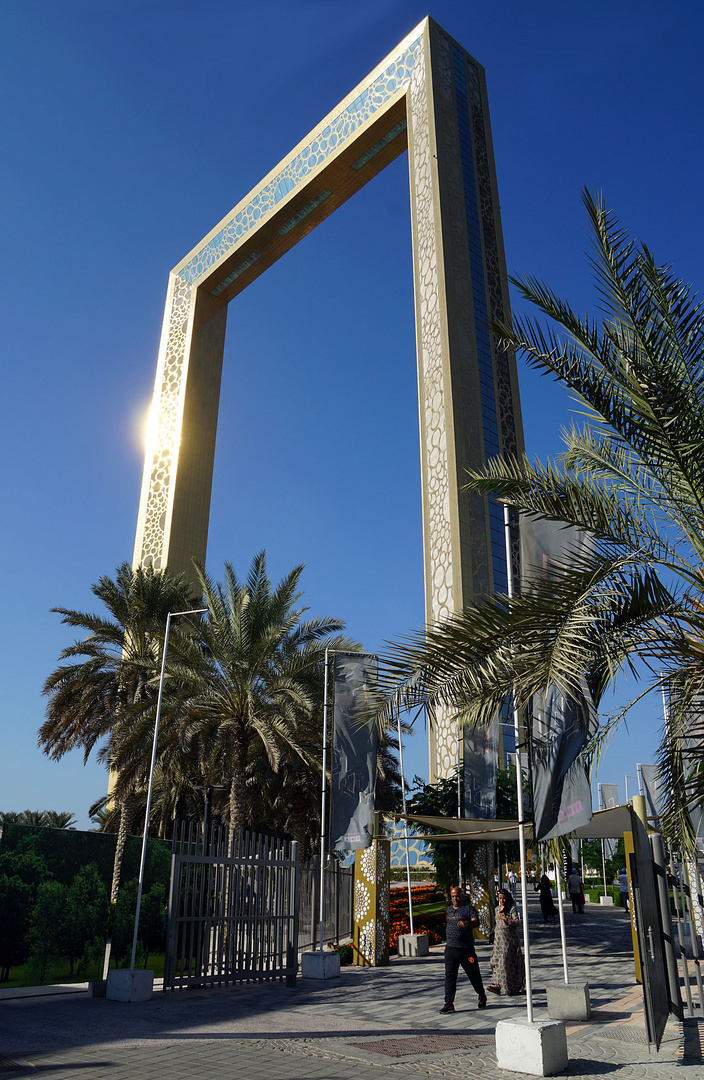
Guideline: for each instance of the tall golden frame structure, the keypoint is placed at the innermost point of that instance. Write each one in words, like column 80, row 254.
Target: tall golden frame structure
column 428, row 96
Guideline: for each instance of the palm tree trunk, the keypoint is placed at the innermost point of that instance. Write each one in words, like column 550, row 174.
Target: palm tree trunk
column 126, row 813
column 238, row 786
column 300, row 817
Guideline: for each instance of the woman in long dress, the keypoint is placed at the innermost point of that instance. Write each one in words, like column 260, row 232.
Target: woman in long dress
column 546, row 902
column 507, row 958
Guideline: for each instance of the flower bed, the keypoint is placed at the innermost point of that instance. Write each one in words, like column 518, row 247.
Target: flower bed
column 432, row 924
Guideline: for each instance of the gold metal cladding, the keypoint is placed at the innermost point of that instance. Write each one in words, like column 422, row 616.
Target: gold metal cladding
column 413, row 100
column 372, row 896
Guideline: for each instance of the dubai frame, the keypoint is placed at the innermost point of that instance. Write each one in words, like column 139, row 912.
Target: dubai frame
column 427, row 95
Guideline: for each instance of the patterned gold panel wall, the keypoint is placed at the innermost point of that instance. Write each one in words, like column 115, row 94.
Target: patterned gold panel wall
column 372, row 885
column 479, row 885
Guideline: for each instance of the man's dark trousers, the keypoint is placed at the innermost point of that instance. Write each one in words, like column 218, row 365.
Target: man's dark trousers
column 468, row 960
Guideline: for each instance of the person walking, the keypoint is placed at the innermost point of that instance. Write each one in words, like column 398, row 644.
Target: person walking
column 623, row 886
column 547, row 905
column 576, row 891
column 461, row 917
column 507, row 959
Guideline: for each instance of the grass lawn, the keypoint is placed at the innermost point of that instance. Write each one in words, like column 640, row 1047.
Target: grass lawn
column 59, row 973
column 435, row 907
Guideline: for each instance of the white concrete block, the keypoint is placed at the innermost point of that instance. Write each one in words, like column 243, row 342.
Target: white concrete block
column 569, row 1001
column 539, row 1049
column 606, row 901
column 320, row 965
column 413, row 945
column 130, row 984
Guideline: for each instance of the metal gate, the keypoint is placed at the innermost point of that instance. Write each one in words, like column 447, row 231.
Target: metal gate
column 651, row 944
column 233, row 916
column 338, row 904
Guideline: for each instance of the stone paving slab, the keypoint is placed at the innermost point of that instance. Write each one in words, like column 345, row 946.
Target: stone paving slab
column 329, row 1029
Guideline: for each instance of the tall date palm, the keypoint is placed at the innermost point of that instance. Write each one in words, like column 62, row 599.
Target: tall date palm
column 251, row 679
column 632, row 477
column 111, row 673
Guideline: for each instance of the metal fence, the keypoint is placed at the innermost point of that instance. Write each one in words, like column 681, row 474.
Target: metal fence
column 338, row 907
column 233, row 915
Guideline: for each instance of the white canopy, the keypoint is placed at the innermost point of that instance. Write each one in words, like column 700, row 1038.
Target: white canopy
column 605, row 824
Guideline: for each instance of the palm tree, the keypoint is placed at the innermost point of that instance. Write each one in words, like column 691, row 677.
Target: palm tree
column 252, row 678
column 32, row 817
column 632, row 477
column 59, row 819
column 112, row 671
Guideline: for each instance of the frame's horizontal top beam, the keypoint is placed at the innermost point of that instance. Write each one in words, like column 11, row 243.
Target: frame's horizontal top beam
column 312, row 201
column 373, row 95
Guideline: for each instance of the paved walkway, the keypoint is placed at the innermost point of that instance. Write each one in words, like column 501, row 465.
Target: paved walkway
column 370, row 1024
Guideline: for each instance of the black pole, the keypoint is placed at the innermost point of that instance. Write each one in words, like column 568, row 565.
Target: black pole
column 206, row 814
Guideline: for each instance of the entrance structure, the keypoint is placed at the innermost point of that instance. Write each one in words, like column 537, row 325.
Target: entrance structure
column 429, row 96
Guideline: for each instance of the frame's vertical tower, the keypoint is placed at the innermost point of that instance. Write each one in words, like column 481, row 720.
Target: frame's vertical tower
column 468, row 391
column 429, row 95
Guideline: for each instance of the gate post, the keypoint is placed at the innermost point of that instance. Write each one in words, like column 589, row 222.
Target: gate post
column 174, row 893
column 292, row 921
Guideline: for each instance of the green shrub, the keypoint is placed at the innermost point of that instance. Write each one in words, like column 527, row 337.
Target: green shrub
column 345, row 952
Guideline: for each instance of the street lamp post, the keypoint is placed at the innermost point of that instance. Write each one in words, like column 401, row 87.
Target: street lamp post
column 171, row 615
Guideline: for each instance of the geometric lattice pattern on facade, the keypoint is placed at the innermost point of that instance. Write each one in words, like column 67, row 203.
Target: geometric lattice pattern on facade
column 428, row 96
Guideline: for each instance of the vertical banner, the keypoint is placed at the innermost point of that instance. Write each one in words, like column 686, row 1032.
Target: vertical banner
column 480, row 756
column 609, row 796
column 684, row 720
column 560, row 729
column 353, row 753
column 549, row 546
column 651, row 790
column 609, row 799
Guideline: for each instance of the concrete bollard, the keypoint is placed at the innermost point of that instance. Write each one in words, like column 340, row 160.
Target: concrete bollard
column 130, row 984
column 538, row 1048
column 320, row 965
column 568, row 1001
column 413, row 945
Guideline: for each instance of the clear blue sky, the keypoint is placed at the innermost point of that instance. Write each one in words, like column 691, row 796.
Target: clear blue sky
column 128, row 129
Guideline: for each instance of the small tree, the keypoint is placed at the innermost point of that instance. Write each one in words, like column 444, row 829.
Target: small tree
column 46, row 927
column 16, row 907
column 152, row 921
column 85, row 916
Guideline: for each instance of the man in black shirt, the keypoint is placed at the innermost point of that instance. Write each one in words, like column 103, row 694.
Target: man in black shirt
column 459, row 949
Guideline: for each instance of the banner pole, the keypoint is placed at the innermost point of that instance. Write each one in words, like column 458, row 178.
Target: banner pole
column 600, row 800
column 563, row 936
column 459, row 811
column 519, row 792
column 687, row 911
column 405, row 822
column 323, row 800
